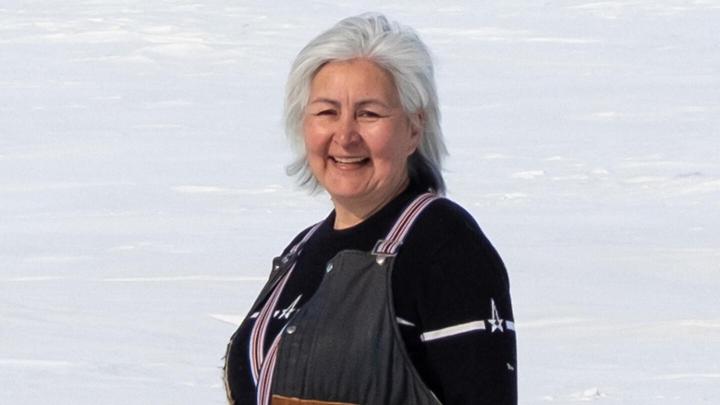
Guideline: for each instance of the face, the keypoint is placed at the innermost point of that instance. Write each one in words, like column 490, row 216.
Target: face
column 357, row 135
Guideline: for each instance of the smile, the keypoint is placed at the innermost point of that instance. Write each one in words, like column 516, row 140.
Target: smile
column 349, row 160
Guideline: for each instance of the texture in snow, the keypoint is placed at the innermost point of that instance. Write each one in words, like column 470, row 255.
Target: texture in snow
column 142, row 192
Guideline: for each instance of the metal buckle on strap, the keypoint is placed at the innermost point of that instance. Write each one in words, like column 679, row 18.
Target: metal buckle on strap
column 389, row 246
column 384, row 249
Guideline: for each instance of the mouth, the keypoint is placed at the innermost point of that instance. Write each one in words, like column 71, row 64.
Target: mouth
column 352, row 160
column 349, row 162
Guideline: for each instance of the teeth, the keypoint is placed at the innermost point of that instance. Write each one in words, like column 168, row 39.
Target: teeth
column 349, row 160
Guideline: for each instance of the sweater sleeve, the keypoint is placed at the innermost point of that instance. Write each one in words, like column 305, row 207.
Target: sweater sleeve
column 458, row 299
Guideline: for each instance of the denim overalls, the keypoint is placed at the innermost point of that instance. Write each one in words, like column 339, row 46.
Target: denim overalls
column 343, row 346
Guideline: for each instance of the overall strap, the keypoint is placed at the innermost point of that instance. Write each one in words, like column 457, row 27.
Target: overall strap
column 257, row 335
column 298, row 246
column 389, row 246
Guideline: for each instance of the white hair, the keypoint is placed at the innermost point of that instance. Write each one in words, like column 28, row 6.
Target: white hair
column 398, row 50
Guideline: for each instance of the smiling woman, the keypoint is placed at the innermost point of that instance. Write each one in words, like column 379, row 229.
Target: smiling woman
column 396, row 297
column 358, row 138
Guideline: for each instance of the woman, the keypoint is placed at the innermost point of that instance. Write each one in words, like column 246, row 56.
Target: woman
column 396, row 297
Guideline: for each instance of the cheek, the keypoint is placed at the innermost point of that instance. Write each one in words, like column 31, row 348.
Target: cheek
column 388, row 156
column 312, row 138
column 316, row 150
column 394, row 148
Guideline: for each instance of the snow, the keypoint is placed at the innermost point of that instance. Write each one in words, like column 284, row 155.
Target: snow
column 142, row 189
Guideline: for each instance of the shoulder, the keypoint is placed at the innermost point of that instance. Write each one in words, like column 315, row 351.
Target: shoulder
column 444, row 224
column 446, row 244
column 445, row 213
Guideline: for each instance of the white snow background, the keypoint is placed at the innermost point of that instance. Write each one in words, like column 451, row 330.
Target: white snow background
column 143, row 195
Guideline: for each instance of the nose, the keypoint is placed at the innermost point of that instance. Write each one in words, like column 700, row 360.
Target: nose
column 346, row 132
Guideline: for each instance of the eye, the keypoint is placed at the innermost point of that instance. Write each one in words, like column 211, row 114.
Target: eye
column 367, row 114
column 327, row 112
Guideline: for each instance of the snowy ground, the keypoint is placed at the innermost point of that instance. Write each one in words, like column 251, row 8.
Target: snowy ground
column 142, row 192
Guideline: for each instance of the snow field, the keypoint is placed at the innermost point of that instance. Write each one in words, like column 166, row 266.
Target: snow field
column 142, row 193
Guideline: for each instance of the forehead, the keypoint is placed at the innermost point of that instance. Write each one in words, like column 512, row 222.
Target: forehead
column 356, row 76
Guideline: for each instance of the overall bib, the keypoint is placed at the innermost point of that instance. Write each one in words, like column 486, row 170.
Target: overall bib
column 344, row 345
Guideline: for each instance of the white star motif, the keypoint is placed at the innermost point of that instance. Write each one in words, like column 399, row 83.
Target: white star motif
column 285, row 313
column 495, row 322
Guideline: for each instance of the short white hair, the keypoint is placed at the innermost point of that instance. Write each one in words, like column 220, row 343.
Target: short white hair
column 398, row 50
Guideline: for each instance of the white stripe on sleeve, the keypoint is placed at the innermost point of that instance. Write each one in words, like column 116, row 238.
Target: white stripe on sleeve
column 452, row 330
column 402, row 321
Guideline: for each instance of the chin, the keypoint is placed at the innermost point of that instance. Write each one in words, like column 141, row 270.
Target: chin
column 345, row 194
column 347, row 188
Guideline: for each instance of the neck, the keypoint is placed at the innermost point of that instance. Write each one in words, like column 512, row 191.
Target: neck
column 352, row 212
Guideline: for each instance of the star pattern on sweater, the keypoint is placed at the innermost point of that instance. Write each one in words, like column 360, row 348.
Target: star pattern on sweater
column 496, row 323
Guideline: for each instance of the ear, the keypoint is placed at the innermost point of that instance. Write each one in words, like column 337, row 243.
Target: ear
column 417, row 127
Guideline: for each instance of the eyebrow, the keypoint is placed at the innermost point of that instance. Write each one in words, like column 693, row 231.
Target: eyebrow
column 360, row 103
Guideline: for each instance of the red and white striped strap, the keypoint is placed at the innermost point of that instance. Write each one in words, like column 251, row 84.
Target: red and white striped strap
column 266, row 374
column 257, row 335
column 390, row 245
